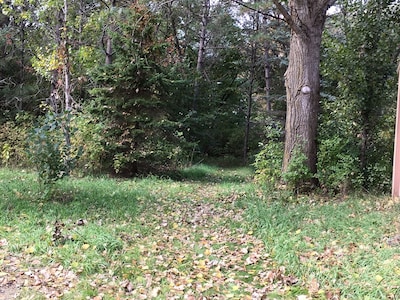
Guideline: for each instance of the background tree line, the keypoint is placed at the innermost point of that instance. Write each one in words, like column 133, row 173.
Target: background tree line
column 146, row 86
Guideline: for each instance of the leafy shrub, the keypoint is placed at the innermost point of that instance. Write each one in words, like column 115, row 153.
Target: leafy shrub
column 49, row 150
column 89, row 136
column 338, row 165
column 13, row 136
column 268, row 162
column 297, row 173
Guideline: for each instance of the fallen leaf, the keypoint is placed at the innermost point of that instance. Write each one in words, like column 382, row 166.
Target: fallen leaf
column 30, row 250
column 154, row 293
column 3, row 242
column 313, row 286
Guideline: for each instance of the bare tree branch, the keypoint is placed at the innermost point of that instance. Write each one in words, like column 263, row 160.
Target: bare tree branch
column 241, row 3
column 288, row 18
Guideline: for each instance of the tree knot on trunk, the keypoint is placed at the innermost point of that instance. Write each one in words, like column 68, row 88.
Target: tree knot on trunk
column 306, row 89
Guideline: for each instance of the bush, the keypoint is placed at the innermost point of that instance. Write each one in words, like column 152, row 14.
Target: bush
column 89, row 136
column 13, row 136
column 50, row 151
column 268, row 162
column 297, row 174
column 338, row 165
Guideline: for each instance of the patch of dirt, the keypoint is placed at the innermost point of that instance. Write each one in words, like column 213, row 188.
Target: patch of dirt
column 9, row 291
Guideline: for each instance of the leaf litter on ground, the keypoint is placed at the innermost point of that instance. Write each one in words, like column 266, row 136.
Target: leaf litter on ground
column 193, row 240
column 182, row 246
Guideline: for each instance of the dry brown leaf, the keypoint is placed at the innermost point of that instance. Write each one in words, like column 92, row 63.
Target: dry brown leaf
column 313, row 286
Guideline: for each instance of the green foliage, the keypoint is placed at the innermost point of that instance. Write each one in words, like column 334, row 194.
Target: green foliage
column 89, row 136
column 297, row 173
column 49, row 150
column 6, row 153
column 360, row 94
column 217, row 124
column 13, row 136
column 338, row 165
column 268, row 162
column 139, row 136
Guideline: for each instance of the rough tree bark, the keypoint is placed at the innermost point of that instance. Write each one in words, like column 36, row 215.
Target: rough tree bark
column 306, row 19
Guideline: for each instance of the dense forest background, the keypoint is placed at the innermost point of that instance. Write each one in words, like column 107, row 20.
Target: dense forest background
column 138, row 87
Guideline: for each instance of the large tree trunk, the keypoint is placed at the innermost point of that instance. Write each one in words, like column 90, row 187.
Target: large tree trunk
column 302, row 89
column 306, row 19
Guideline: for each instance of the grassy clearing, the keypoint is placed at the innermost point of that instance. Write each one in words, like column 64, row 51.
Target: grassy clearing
column 210, row 232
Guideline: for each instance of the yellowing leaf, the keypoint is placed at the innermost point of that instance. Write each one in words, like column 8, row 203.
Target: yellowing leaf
column 30, row 250
column 85, row 246
column 298, row 231
column 175, row 226
column 235, row 288
column 378, row 278
column 218, row 274
column 207, row 252
column 202, row 263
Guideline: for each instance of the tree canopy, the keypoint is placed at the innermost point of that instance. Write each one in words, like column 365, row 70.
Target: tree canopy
column 306, row 93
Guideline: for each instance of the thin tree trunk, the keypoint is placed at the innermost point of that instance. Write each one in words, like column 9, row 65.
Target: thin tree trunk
column 202, row 39
column 201, row 51
column 267, row 76
column 55, row 100
column 249, row 106
column 108, row 49
column 174, row 29
column 67, row 79
column 253, row 64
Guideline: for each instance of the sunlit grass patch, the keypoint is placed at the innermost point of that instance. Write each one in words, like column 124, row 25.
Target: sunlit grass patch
column 334, row 247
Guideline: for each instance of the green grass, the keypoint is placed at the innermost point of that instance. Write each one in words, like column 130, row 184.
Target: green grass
column 209, row 232
column 343, row 244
